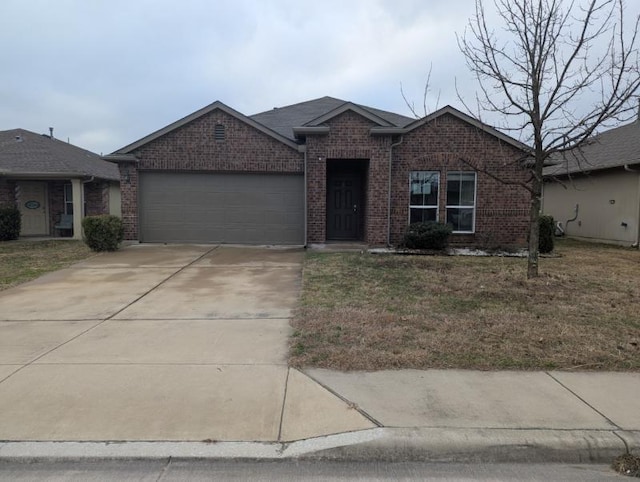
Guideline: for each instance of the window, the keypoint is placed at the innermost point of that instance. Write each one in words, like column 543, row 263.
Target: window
column 68, row 199
column 461, row 201
column 423, row 199
column 219, row 133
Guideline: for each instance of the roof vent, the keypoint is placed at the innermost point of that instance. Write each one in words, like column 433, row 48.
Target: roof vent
column 219, row 132
column 18, row 138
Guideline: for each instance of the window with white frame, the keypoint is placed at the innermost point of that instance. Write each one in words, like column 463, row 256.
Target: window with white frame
column 423, row 196
column 68, row 199
column 461, row 201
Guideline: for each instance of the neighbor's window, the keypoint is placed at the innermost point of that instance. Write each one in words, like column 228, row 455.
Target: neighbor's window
column 461, row 201
column 68, row 199
column 423, row 200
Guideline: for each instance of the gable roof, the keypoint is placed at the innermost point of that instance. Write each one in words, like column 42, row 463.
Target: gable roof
column 25, row 153
column 613, row 148
column 283, row 123
column 448, row 110
column 217, row 105
column 313, row 112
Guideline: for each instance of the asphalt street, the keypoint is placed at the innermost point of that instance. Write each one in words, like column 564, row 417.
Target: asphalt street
column 168, row 470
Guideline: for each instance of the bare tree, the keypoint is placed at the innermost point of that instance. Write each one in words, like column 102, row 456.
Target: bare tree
column 557, row 71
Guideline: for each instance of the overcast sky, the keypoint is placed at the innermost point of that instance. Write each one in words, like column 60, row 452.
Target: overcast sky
column 104, row 73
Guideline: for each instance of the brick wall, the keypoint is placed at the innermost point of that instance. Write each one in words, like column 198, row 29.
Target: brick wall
column 7, row 193
column 96, row 195
column 56, row 205
column 448, row 144
column 445, row 144
column 193, row 147
column 348, row 139
column 129, row 199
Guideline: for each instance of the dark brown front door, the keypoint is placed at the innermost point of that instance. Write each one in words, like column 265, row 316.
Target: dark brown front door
column 344, row 210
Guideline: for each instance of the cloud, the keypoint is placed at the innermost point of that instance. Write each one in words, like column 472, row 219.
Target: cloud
column 106, row 72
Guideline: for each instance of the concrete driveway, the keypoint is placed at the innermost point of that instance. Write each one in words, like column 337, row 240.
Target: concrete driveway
column 169, row 343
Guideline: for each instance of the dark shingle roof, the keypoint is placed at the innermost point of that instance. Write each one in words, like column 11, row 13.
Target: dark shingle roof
column 284, row 119
column 613, row 148
column 25, row 152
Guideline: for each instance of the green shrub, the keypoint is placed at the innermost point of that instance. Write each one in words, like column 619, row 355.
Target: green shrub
column 103, row 233
column 547, row 232
column 429, row 235
column 10, row 223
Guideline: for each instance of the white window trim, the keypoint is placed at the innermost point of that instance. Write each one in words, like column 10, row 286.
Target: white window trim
column 475, row 201
column 422, row 206
column 66, row 200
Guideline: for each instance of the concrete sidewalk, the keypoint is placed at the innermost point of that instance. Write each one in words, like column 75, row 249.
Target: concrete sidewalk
column 431, row 415
column 180, row 351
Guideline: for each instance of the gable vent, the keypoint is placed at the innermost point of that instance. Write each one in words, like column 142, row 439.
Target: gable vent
column 219, row 132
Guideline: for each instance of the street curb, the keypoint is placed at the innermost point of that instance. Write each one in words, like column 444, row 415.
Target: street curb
column 487, row 446
column 380, row 444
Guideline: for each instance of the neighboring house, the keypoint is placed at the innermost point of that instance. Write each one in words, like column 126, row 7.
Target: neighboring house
column 595, row 191
column 320, row 171
column 54, row 184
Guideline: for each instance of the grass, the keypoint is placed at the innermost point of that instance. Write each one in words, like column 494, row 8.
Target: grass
column 22, row 261
column 371, row 312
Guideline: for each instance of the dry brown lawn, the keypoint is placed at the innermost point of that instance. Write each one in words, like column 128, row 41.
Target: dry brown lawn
column 369, row 312
column 22, row 261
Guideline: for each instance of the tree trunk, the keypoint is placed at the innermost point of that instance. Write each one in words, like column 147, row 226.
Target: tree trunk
column 534, row 228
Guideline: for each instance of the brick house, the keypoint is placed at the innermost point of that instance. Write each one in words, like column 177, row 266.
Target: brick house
column 322, row 171
column 54, row 184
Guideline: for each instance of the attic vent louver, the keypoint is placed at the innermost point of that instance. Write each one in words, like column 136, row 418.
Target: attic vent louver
column 219, row 132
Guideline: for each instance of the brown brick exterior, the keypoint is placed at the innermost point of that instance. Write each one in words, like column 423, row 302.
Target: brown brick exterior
column 56, row 206
column 348, row 139
column 193, row 147
column 96, row 197
column 7, row 193
column 445, row 144
column 449, row 144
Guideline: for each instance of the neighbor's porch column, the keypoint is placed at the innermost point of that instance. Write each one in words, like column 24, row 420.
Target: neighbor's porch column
column 77, row 193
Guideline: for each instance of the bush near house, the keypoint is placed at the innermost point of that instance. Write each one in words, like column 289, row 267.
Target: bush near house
column 10, row 223
column 429, row 235
column 547, row 233
column 103, row 233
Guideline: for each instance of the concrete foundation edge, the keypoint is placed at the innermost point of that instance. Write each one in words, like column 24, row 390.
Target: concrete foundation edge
column 386, row 444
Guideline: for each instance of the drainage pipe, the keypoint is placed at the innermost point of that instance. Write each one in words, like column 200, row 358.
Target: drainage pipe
column 304, row 149
column 389, row 189
column 575, row 216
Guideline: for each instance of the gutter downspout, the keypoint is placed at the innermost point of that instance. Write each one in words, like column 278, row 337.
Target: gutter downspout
column 389, row 189
column 304, row 150
column 637, row 243
column 575, row 216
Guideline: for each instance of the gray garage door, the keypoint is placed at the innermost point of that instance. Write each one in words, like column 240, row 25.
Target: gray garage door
column 221, row 208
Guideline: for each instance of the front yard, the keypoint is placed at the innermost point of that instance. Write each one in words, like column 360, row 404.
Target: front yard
column 22, row 261
column 370, row 312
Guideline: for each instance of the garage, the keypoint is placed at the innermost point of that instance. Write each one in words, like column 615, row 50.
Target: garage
column 202, row 207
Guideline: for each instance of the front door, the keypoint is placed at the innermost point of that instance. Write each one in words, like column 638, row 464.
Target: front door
column 33, row 207
column 344, row 208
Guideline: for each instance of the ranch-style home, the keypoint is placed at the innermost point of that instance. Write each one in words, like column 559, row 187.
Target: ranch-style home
column 54, row 184
column 322, row 171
